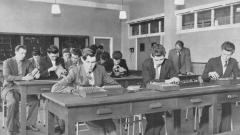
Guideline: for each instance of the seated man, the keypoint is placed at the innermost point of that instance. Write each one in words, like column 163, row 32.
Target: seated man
column 160, row 69
column 14, row 69
column 181, row 58
column 88, row 73
column 75, row 57
column 66, row 56
column 220, row 67
column 120, row 67
column 35, row 60
column 51, row 66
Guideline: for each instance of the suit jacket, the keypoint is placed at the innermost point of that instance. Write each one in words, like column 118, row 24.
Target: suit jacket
column 185, row 60
column 77, row 77
column 34, row 63
column 123, row 64
column 45, row 64
column 148, row 71
column 10, row 73
column 215, row 64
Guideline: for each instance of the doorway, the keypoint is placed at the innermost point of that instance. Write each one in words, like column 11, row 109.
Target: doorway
column 106, row 42
column 144, row 48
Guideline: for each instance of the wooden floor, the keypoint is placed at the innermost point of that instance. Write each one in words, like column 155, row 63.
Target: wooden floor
column 187, row 125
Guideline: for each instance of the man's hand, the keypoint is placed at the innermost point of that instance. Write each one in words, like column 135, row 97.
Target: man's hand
column 37, row 75
column 213, row 75
column 28, row 77
column 121, row 69
column 53, row 68
column 190, row 73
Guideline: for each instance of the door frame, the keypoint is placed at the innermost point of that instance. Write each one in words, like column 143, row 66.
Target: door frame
column 110, row 45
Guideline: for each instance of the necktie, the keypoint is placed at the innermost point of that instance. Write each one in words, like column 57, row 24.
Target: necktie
column 179, row 61
column 225, row 64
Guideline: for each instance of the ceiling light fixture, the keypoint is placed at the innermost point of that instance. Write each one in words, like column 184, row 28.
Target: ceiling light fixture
column 55, row 9
column 179, row 2
column 122, row 13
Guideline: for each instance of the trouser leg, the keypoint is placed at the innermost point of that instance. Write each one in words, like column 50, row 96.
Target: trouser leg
column 33, row 104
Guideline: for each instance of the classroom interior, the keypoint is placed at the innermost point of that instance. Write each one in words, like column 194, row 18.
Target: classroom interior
column 203, row 25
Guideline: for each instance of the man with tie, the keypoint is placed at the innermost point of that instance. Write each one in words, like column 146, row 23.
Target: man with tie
column 35, row 60
column 91, row 74
column 181, row 58
column 14, row 69
column 160, row 69
column 220, row 67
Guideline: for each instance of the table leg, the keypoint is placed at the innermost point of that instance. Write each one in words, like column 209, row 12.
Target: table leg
column 23, row 119
column 173, row 123
column 50, row 123
column 213, row 119
column 69, row 126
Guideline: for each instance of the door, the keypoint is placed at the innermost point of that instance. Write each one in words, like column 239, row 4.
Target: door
column 144, row 49
column 106, row 42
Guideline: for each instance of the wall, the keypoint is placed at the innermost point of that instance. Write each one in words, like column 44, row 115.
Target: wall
column 20, row 16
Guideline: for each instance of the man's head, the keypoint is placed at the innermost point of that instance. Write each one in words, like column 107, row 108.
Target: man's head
column 75, row 55
column 52, row 52
column 89, row 59
column 117, row 56
column 104, row 57
column 20, row 52
column 179, row 45
column 228, row 49
column 36, row 54
column 66, row 54
column 158, row 54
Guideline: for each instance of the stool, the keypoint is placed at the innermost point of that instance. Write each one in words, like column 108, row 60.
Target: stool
column 128, row 122
column 78, row 124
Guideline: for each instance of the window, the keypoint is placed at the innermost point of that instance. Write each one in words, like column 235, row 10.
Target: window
column 188, row 21
column 154, row 26
column 236, row 13
column 222, row 16
column 135, row 29
column 144, row 28
column 204, row 19
column 162, row 24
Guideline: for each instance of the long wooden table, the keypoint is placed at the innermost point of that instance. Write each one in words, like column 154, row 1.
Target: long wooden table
column 30, row 88
column 74, row 109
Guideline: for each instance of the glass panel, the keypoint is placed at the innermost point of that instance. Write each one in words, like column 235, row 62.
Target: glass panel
column 236, row 13
column 188, row 21
column 135, row 29
column 144, row 28
column 154, row 25
column 222, row 16
column 162, row 24
column 204, row 19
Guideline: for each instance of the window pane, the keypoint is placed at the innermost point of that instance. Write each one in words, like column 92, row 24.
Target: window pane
column 144, row 28
column 236, row 13
column 135, row 29
column 162, row 24
column 222, row 16
column 204, row 19
column 188, row 21
column 154, row 25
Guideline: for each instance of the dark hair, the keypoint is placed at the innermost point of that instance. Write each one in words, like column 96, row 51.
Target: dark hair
column 117, row 55
column 94, row 48
column 65, row 50
column 87, row 52
column 19, row 47
column 36, row 52
column 52, row 49
column 179, row 43
column 105, row 56
column 158, row 50
column 228, row 46
column 100, row 46
column 76, row 51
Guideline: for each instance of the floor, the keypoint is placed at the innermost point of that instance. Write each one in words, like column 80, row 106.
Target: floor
column 187, row 124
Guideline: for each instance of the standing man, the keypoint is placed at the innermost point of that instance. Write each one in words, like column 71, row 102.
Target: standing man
column 181, row 58
column 51, row 66
column 222, row 66
column 88, row 73
column 14, row 69
column 160, row 69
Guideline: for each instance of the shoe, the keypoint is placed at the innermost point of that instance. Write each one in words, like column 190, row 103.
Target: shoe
column 33, row 128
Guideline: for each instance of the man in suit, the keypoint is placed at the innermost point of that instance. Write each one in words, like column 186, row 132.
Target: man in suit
column 220, row 67
column 120, row 67
column 35, row 60
column 75, row 58
column 14, row 69
column 181, row 58
column 52, row 66
column 160, row 69
column 88, row 73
